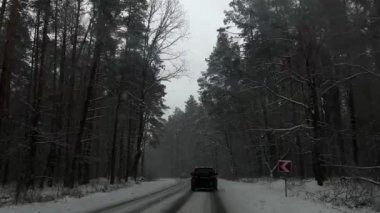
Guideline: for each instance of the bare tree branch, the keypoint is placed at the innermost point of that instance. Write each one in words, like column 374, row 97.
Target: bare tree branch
column 287, row 98
column 283, row 129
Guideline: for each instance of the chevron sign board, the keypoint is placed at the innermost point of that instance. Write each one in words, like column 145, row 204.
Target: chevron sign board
column 284, row 166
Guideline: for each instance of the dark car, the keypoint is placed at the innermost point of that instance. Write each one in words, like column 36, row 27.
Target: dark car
column 204, row 178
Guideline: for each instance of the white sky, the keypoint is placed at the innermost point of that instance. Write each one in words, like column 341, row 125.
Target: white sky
column 204, row 17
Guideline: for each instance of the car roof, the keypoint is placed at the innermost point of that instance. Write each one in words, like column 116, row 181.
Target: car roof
column 203, row 168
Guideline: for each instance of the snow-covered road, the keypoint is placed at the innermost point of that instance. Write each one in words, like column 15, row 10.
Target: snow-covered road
column 175, row 196
column 203, row 202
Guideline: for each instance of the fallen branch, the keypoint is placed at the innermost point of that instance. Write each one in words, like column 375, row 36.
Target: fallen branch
column 368, row 180
column 352, row 167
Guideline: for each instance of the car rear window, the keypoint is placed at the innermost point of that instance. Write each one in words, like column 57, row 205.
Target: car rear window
column 204, row 170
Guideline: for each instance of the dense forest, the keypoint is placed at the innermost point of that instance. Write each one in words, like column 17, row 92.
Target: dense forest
column 81, row 90
column 287, row 79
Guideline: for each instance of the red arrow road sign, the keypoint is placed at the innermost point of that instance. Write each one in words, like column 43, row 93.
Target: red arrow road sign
column 284, row 166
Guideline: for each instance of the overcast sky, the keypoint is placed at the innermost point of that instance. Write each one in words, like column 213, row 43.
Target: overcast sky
column 204, row 18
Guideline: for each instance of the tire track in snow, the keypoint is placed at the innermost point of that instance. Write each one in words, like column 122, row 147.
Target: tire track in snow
column 160, row 195
column 179, row 203
column 153, row 202
column 217, row 206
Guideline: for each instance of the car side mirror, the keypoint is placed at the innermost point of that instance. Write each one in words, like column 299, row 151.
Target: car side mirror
column 216, row 173
column 192, row 173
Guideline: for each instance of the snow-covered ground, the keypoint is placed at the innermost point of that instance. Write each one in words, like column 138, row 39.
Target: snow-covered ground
column 92, row 201
column 269, row 197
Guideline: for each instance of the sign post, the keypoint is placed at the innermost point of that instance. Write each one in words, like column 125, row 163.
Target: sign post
column 286, row 187
column 285, row 166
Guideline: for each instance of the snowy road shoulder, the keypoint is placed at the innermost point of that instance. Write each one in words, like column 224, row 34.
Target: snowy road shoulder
column 93, row 201
column 266, row 197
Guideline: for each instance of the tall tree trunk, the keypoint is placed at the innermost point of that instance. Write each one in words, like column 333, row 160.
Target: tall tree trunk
column 315, row 117
column 5, row 79
column 38, row 97
column 351, row 106
column 233, row 165
column 56, row 124
column 337, row 113
column 129, row 144
column 34, row 118
column 81, row 46
column 375, row 33
column 114, row 139
column 141, row 126
column 140, row 136
column 62, row 91
column 52, row 163
column 73, row 65
column 2, row 13
column 301, row 164
column 89, row 93
column 143, row 160
column 121, row 152
column 90, row 88
column 269, row 148
column 9, row 48
column 72, row 74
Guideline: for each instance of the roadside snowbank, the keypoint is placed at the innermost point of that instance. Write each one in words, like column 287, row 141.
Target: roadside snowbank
column 92, row 201
column 269, row 197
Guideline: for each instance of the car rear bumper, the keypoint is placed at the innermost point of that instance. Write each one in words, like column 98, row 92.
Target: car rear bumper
column 205, row 183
